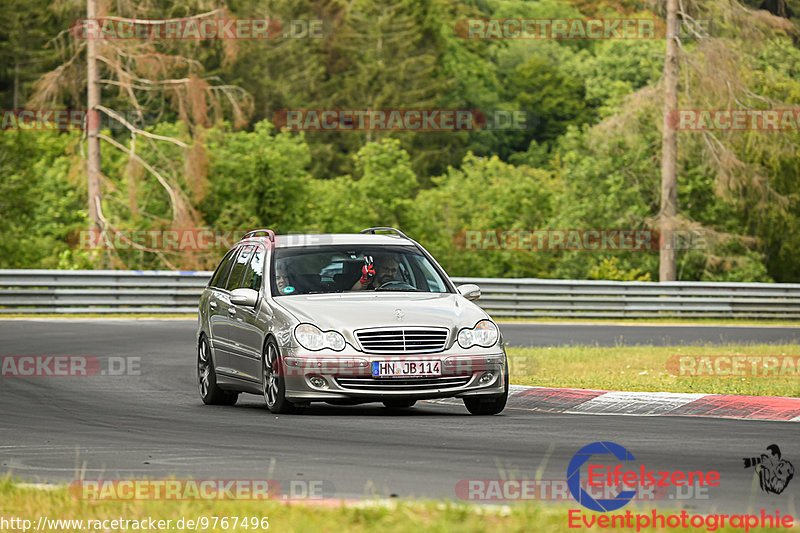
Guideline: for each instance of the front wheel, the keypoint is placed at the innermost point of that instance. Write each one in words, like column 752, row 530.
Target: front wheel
column 490, row 406
column 274, row 381
column 210, row 393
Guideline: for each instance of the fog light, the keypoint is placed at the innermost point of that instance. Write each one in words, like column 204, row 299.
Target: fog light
column 486, row 378
column 318, row 382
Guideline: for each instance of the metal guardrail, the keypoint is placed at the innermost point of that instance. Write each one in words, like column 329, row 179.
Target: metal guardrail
column 151, row 292
column 100, row 291
column 528, row 297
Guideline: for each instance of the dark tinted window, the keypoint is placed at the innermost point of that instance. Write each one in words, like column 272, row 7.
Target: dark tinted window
column 239, row 267
column 337, row 268
column 255, row 270
column 221, row 274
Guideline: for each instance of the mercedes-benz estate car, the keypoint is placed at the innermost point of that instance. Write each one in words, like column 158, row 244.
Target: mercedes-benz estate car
column 344, row 319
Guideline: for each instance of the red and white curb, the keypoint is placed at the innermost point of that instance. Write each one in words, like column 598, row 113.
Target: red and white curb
column 604, row 402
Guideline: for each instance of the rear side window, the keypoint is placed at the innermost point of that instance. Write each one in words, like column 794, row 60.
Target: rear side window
column 220, row 276
column 239, row 267
column 255, row 270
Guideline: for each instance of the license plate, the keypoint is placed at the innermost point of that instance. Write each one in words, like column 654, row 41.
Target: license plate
column 406, row 368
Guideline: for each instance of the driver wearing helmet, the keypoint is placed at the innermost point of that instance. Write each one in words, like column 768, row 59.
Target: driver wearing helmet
column 373, row 275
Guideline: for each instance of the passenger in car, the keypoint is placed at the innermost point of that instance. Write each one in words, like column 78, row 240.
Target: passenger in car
column 282, row 278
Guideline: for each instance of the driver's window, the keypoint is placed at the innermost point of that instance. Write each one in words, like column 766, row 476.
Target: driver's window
column 405, row 273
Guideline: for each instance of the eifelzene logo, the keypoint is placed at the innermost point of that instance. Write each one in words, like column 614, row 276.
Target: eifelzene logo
column 599, row 475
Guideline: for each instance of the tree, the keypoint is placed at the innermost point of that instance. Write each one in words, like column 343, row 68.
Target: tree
column 669, row 148
column 380, row 194
column 141, row 72
column 256, row 179
column 383, row 55
column 484, row 194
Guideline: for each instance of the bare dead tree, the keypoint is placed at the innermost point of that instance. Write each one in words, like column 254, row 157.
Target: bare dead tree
column 92, row 126
column 148, row 76
column 711, row 73
column 669, row 150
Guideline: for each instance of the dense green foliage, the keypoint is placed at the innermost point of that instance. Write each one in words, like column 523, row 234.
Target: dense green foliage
column 589, row 158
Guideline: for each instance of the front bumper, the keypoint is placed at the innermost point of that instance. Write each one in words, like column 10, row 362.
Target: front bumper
column 349, row 377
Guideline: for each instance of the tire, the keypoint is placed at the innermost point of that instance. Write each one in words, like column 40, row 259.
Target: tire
column 399, row 404
column 489, row 406
column 273, row 381
column 210, row 393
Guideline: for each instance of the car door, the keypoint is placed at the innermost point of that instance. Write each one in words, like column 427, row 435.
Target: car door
column 227, row 311
column 233, row 313
column 218, row 312
column 248, row 326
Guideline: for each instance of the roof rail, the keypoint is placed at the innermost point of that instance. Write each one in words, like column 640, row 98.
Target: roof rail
column 381, row 228
column 269, row 232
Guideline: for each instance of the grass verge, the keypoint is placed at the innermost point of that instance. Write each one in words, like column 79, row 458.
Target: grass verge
column 24, row 503
column 648, row 368
column 400, row 516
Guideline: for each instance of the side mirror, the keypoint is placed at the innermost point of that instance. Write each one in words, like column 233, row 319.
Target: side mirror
column 245, row 297
column 470, row 291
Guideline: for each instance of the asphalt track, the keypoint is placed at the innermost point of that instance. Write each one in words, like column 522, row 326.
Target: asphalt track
column 152, row 424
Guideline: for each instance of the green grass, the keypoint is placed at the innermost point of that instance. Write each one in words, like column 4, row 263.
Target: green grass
column 644, row 368
column 365, row 516
column 400, row 516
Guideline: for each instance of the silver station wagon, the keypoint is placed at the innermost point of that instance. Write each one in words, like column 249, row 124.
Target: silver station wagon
column 344, row 319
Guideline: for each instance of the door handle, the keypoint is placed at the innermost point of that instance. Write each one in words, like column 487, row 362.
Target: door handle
column 212, row 304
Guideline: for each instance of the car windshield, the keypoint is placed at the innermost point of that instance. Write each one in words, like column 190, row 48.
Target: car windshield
column 329, row 269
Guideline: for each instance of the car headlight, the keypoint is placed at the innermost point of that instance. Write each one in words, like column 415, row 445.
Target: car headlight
column 312, row 338
column 334, row 340
column 483, row 334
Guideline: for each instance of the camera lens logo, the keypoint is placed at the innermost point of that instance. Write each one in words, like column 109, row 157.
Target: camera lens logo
column 574, row 477
column 774, row 472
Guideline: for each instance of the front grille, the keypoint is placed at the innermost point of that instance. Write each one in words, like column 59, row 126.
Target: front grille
column 403, row 340
column 407, row 384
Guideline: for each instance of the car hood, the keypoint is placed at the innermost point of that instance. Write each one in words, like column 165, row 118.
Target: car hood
column 349, row 312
